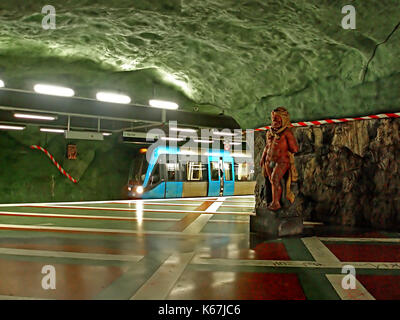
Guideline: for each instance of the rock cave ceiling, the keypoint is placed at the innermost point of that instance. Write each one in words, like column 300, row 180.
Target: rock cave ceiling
column 240, row 58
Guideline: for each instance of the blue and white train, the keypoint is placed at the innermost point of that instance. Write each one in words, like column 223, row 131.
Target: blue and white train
column 209, row 173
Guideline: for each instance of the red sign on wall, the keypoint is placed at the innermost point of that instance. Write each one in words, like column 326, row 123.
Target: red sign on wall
column 72, row 152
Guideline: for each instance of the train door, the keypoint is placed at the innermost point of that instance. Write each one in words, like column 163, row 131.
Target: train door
column 214, row 176
column 228, row 176
column 173, row 187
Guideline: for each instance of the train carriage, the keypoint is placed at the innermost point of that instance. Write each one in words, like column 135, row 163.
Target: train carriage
column 173, row 172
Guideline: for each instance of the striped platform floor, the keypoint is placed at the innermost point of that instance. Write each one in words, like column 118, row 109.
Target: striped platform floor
column 198, row 248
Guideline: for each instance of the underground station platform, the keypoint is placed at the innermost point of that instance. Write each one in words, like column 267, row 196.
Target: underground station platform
column 193, row 153
column 183, row 249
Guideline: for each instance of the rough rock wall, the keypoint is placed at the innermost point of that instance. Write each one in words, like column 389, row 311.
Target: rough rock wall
column 349, row 174
column 28, row 175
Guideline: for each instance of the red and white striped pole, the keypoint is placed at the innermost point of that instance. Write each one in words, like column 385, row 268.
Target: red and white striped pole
column 55, row 162
column 320, row 122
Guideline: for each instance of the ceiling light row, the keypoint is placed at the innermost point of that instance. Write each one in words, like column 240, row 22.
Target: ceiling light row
column 50, row 130
column 101, row 96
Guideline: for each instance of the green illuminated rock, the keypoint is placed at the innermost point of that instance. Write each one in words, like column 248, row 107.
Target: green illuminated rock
column 239, row 57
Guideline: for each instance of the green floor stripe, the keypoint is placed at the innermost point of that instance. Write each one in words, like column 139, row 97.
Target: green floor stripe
column 126, row 285
column 296, row 249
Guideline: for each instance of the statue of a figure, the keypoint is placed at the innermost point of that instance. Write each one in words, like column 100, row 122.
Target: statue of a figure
column 278, row 156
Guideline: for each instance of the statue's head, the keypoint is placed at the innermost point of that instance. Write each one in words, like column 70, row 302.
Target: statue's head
column 280, row 118
column 276, row 121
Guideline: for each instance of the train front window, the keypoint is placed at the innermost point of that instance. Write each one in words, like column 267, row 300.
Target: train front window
column 155, row 176
column 139, row 169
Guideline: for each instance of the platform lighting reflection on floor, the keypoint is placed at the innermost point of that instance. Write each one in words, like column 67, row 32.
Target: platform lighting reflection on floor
column 34, row 116
column 7, row 127
column 139, row 212
column 53, row 90
column 163, row 104
column 1, row 84
column 51, row 130
column 113, row 97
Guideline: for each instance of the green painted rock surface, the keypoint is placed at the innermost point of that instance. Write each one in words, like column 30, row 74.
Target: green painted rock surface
column 240, row 57
column 28, row 175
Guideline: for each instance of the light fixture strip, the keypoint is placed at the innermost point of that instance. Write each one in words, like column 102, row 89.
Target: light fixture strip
column 53, row 90
column 34, row 116
column 51, row 130
column 163, row 104
column 113, row 97
column 7, row 127
column 171, row 139
column 228, row 134
column 183, row 129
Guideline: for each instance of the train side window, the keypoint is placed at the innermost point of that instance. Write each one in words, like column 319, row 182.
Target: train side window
column 172, row 171
column 214, row 171
column 196, row 171
column 244, row 171
column 228, row 171
column 183, row 172
column 204, row 169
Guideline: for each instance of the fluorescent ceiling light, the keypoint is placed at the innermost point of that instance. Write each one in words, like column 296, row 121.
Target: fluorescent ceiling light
column 163, row 104
column 241, row 155
column 188, row 152
column 235, row 143
column 171, row 139
column 6, row 127
column 54, row 90
column 34, row 116
column 202, row 141
column 52, row 130
column 107, row 133
column 229, row 134
column 113, row 97
column 1, row 84
column 182, row 129
column 213, row 154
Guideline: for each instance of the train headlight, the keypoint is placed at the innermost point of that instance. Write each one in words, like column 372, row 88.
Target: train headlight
column 139, row 189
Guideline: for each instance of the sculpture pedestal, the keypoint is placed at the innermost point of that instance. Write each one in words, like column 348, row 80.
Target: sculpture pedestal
column 273, row 225
column 287, row 221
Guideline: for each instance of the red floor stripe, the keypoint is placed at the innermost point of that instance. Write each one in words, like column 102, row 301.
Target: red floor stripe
column 365, row 252
column 382, row 287
column 226, row 285
column 263, row 251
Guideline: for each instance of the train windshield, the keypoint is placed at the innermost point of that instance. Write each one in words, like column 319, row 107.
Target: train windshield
column 139, row 169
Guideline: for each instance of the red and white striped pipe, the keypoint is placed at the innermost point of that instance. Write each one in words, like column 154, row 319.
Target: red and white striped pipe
column 319, row 122
column 55, row 162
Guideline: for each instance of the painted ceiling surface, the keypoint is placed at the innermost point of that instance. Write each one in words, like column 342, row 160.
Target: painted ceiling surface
column 241, row 58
